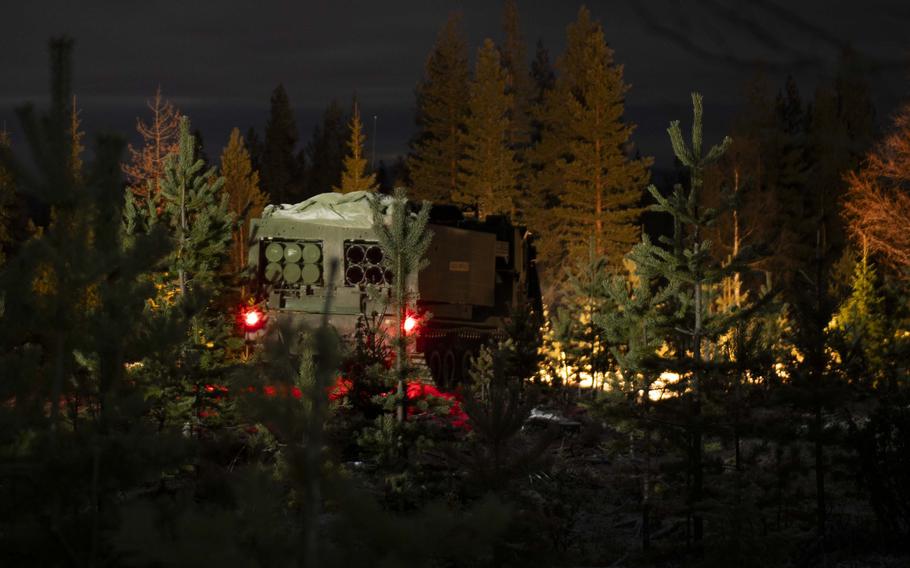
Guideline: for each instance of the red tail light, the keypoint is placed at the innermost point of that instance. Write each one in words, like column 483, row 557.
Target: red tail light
column 252, row 318
column 410, row 324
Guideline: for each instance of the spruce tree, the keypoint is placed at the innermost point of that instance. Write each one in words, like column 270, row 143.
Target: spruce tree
column 278, row 170
column 325, row 151
column 861, row 317
column 383, row 175
column 787, row 171
column 254, row 147
column 584, row 152
column 246, row 201
column 442, row 104
column 354, row 176
column 489, row 170
column 838, row 135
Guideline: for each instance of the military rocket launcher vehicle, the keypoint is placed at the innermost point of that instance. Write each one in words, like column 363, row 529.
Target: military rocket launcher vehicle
column 479, row 272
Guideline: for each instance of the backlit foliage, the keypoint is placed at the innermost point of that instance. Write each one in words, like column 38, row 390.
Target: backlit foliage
column 877, row 206
column 160, row 138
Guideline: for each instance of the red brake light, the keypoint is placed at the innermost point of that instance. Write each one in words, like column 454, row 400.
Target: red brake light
column 252, row 319
column 410, row 324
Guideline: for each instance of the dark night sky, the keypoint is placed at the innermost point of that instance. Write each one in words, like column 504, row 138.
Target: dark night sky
column 219, row 61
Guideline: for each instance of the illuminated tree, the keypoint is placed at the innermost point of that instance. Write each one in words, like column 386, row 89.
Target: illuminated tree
column 197, row 212
column 585, row 153
column 521, row 87
column 861, row 316
column 489, row 171
column 742, row 172
column 514, row 60
column 353, row 176
column 442, row 104
column 877, row 204
column 543, row 80
column 145, row 169
column 246, row 201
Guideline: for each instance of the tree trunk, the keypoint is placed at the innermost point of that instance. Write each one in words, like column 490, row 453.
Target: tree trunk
column 697, row 477
column 180, row 250
column 401, row 344
column 646, row 481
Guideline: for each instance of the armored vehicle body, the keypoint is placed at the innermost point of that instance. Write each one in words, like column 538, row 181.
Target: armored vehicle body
column 479, row 272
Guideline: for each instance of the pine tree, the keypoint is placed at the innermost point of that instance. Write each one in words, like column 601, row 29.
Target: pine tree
column 634, row 330
column 354, row 176
column 521, row 88
column 325, row 151
column 405, row 240
column 65, row 348
column 543, row 180
column 489, row 170
column 597, row 183
column 583, row 343
column 196, row 217
column 197, row 212
column 159, row 140
column 278, row 171
column 543, row 81
column 442, row 104
column 689, row 273
column 246, row 201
